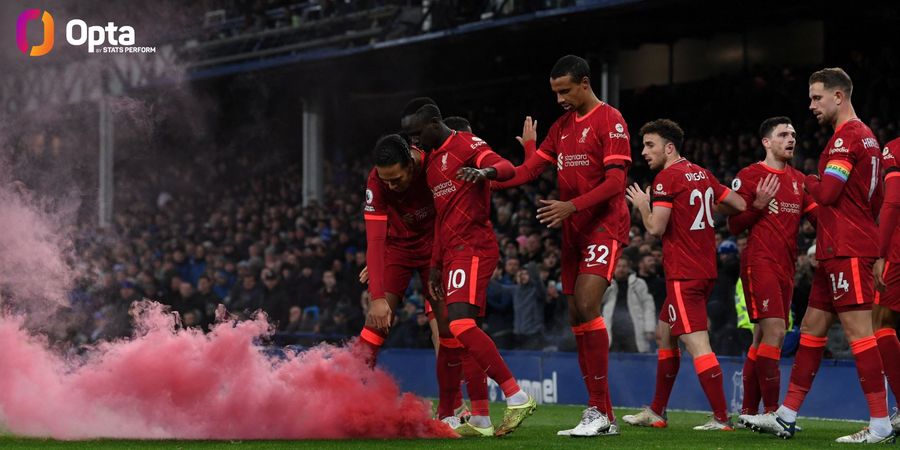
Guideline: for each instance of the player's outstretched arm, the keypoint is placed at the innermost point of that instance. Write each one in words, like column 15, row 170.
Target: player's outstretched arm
column 732, row 204
column 656, row 219
column 532, row 168
column 528, row 139
column 488, row 166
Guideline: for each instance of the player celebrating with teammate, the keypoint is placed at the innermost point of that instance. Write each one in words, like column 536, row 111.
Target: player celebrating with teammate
column 589, row 144
column 465, row 248
column 777, row 198
column 684, row 195
column 848, row 189
column 399, row 216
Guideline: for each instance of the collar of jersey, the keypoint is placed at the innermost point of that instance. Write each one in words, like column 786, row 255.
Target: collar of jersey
column 446, row 142
column 772, row 169
column 845, row 123
column 580, row 119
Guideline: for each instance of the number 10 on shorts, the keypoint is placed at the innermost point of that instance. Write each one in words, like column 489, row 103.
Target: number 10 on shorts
column 456, row 279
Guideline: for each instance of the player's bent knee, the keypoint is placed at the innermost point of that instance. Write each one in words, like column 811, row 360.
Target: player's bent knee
column 456, row 311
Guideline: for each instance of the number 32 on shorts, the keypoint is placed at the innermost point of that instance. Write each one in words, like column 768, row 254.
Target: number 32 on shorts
column 597, row 255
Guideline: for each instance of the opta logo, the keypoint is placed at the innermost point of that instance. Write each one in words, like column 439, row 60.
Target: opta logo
column 22, row 32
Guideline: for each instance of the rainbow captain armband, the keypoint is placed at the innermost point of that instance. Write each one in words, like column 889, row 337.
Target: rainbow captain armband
column 839, row 169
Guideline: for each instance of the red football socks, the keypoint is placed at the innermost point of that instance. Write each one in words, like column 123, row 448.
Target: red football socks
column 768, row 374
column 483, row 350
column 889, row 348
column 596, row 350
column 752, row 395
column 806, row 363
column 369, row 343
column 449, row 369
column 669, row 360
column 476, row 385
column 868, row 366
column 710, row 374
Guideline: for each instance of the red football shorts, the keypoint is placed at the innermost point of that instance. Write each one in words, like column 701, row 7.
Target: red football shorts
column 890, row 298
column 399, row 270
column 843, row 284
column 595, row 254
column 685, row 306
column 466, row 279
column 768, row 293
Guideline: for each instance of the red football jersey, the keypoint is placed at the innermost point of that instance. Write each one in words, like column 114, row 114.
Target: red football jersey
column 892, row 169
column 410, row 214
column 463, row 209
column 689, row 242
column 773, row 238
column 583, row 148
column 847, row 227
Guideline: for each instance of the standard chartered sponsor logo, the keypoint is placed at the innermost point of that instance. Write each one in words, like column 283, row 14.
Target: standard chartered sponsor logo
column 443, row 189
column 577, row 160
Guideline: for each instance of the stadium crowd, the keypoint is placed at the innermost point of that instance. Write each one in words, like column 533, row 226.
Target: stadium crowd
column 250, row 243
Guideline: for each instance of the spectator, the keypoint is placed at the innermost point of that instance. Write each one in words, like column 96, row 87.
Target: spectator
column 498, row 322
column 246, row 297
column 648, row 270
column 529, row 297
column 275, row 302
column 206, row 300
column 629, row 310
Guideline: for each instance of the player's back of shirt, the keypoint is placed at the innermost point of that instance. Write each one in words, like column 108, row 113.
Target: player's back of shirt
column 463, row 209
column 689, row 242
column 892, row 169
column 584, row 148
column 772, row 241
column 847, row 227
column 409, row 214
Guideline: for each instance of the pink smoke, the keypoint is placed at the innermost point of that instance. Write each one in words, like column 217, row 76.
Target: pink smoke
column 32, row 253
column 175, row 383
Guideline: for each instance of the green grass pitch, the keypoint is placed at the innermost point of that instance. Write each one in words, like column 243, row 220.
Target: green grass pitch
column 539, row 431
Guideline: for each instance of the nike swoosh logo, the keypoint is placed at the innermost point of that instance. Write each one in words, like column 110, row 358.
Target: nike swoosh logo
column 593, row 265
column 599, row 378
column 564, row 137
column 670, row 375
column 772, row 379
column 839, row 296
column 716, row 374
column 449, row 293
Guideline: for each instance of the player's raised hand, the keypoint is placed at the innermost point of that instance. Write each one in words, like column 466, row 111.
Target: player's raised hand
column 380, row 314
column 636, row 196
column 435, row 287
column 529, row 131
column 364, row 275
column 765, row 191
column 878, row 271
column 555, row 212
column 472, row 175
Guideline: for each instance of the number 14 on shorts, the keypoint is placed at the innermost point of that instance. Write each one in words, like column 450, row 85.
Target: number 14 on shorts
column 839, row 283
